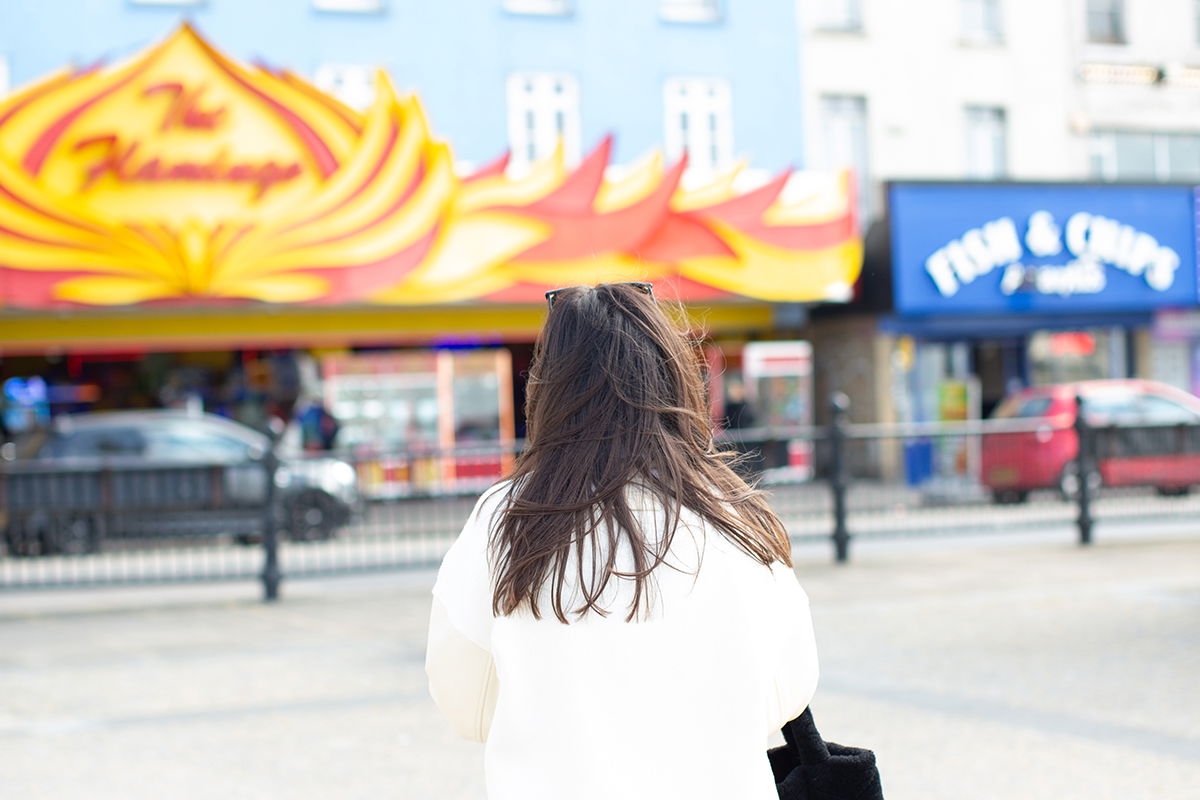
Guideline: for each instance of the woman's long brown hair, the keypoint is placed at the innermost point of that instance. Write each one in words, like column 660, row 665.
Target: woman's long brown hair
column 615, row 397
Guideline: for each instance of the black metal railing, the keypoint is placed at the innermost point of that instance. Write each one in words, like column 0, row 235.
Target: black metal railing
column 132, row 521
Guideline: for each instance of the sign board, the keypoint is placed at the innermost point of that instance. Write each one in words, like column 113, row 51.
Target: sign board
column 181, row 176
column 969, row 248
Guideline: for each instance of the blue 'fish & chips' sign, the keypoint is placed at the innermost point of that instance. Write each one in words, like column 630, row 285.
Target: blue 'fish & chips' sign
column 1041, row 248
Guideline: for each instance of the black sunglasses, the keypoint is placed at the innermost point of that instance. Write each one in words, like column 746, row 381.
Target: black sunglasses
column 644, row 288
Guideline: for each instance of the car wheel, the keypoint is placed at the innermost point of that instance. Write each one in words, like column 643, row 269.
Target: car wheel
column 70, row 535
column 1007, row 497
column 1068, row 481
column 312, row 516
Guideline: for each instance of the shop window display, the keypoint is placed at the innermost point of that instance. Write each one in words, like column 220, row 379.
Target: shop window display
column 777, row 386
column 1063, row 356
column 410, row 420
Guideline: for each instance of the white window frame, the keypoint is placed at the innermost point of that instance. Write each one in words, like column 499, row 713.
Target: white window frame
column 542, row 108
column 689, row 10
column 331, row 79
column 704, row 106
column 1121, row 14
column 834, row 116
column 1102, row 152
column 982, row 12
column 5, row 76
column 548, row 8
column 349, row 6
column 1102, row 155
column 980, row 122
column 839, row 16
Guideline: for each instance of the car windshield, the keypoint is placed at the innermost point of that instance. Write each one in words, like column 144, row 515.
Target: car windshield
column 1111, row 407
column 1018, row 407
column 95, row 442
column 1161, row 411
column 194, row 441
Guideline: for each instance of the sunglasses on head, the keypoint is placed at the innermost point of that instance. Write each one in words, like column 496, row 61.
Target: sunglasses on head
column 644, row 288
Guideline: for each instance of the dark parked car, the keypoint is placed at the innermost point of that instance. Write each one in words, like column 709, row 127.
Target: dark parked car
column 164, row 473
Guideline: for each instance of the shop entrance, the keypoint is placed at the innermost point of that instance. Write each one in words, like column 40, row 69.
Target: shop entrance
column 993, row 368
column 1001, row 367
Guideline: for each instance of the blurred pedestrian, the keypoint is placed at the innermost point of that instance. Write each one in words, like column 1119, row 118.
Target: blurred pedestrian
column 740, row 418
column 620, row 618
column 738, row 411
column 318, row 427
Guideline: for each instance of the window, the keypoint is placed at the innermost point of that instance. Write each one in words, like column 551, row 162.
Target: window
column 1052, row 362
column 1111, row 408
column 688, row 10
column 844, row 141
column 353, row 84
column 839, row 15
column 987, row 142
column 543, row 109
column 981, row 21
column 95, row 443
column 1161, row 411
column 194, row 442
column 1145, row 155
column 348, row 5
column 548, row 7
column 1106, row 21
column 699, row 121
column 1016, row 407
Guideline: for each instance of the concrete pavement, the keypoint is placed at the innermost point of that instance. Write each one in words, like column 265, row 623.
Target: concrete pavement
column 1003, row 667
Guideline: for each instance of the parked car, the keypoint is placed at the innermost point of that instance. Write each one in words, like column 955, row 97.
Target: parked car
column 1148, row 435
column 164, row 473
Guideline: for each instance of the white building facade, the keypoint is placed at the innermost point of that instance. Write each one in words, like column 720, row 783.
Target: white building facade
column 1011, row 89
column 1073, row 91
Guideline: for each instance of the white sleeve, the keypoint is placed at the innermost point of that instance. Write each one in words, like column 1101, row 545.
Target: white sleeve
column 462, row 677
column 458, row 659
column 796, row 667
column 464, row 581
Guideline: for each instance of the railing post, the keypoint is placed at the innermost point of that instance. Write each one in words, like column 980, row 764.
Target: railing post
column 839, row 405
column 1083, row 468
column 270, row 574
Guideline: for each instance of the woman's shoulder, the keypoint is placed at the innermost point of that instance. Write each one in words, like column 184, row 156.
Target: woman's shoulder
column 494, row 498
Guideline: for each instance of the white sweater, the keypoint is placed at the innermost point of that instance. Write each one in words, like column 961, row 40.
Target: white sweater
column 678, row 705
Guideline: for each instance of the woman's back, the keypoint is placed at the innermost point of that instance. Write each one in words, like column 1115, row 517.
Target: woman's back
column 620, row 619
column 678, row 703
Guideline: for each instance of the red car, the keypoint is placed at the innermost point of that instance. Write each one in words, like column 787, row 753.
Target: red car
column 1149, row 436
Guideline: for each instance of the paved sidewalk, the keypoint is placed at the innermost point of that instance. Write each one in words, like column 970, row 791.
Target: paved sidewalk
column 1015, row 667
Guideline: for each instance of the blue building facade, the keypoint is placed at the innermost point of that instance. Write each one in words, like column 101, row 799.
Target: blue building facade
column 460, row 56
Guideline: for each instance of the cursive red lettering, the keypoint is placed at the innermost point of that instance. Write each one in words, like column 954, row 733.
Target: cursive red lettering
column 148, row 171
column 183, row 109
column 120, row 161
column 110, row 160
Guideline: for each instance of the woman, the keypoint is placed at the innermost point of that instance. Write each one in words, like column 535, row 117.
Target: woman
column 620, row 618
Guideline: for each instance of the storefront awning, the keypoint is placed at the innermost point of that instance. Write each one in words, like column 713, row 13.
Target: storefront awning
column 159, row 330
column 181, row 183
column 982, row 326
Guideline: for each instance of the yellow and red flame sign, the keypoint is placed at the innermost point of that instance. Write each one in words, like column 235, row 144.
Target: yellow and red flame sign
column 183, row 177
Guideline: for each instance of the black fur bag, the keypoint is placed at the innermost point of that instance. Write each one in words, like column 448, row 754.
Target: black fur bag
column 809, row 768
